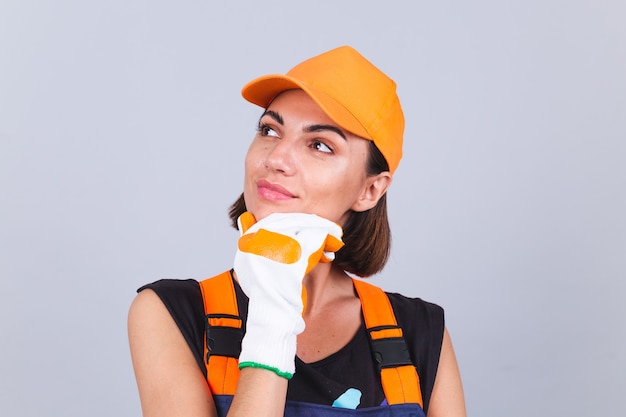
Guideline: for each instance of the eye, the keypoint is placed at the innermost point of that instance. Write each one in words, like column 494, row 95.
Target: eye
column 265, row 130
column 321, row 146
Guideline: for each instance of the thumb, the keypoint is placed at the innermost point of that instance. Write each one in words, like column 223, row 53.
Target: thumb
column 245, row 221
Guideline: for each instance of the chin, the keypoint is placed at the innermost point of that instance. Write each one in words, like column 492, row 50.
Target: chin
column 260, row 214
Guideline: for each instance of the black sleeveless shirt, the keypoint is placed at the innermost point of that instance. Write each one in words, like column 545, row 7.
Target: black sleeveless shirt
column 347, row 378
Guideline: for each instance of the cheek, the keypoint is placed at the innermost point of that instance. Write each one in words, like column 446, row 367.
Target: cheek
column 253, row 159
column 339, row 198
column 247, row 163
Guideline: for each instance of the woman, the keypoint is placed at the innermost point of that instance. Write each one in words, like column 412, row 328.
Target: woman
column 312, row 209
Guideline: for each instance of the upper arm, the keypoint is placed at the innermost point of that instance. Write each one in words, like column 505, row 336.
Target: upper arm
column 447, row 399
column 169, row 380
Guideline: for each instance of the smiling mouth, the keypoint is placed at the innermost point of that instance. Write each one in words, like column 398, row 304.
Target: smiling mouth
column 273, row 192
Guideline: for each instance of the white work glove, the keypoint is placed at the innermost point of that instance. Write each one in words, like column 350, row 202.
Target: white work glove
column 273, row 256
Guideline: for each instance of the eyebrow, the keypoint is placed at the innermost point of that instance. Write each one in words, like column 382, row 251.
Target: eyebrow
column 319, row 128
column 273, row 115
column 309, row 129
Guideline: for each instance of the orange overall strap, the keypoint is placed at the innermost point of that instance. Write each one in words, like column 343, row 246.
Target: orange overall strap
column 223, row 330
column 397, row 373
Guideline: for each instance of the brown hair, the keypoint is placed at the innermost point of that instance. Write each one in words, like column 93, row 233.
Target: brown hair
column 366, row 234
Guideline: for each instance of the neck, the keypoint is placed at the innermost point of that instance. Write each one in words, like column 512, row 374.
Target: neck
column 325, row 284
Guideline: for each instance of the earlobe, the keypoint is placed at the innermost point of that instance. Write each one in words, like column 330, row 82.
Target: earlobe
column 375, row 187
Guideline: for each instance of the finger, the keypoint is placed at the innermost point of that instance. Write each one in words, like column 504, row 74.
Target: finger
column 315, row 258
column 327, row 257
column 333, row 244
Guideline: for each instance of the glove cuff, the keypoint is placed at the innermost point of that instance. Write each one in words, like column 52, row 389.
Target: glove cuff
column 277, row 371
column 269, row 350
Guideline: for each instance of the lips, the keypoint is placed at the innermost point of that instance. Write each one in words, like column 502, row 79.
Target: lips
column 273, row 192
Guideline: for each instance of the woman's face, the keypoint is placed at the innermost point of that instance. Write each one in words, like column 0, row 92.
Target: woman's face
column 301, row 161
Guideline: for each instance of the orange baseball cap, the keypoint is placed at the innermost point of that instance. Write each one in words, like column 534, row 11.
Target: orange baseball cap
column 350, row 90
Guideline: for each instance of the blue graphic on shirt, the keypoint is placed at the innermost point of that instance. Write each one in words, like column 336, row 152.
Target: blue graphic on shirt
column 349, row 399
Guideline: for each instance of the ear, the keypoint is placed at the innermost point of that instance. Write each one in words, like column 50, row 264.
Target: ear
column 375, row 187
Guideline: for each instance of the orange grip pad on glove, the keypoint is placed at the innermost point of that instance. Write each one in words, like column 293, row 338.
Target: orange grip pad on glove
column 274, row 246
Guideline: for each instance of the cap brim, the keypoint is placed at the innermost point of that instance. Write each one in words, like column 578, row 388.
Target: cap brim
column 261, row 91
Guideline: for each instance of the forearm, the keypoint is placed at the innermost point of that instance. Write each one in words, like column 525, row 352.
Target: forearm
column 260, row 393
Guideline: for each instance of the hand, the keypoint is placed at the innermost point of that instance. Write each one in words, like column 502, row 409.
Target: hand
column 273, row 257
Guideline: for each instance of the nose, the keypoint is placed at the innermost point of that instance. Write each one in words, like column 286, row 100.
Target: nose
column 282, row 156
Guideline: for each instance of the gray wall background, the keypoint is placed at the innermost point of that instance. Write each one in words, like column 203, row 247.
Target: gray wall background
column 122, row 136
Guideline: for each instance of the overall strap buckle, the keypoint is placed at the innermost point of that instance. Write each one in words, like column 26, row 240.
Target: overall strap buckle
column 224, row 332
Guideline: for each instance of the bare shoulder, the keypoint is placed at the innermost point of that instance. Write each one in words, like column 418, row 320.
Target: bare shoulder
column 146, row 305
column 169, row 380
column 447, row 399
column 149, row 319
